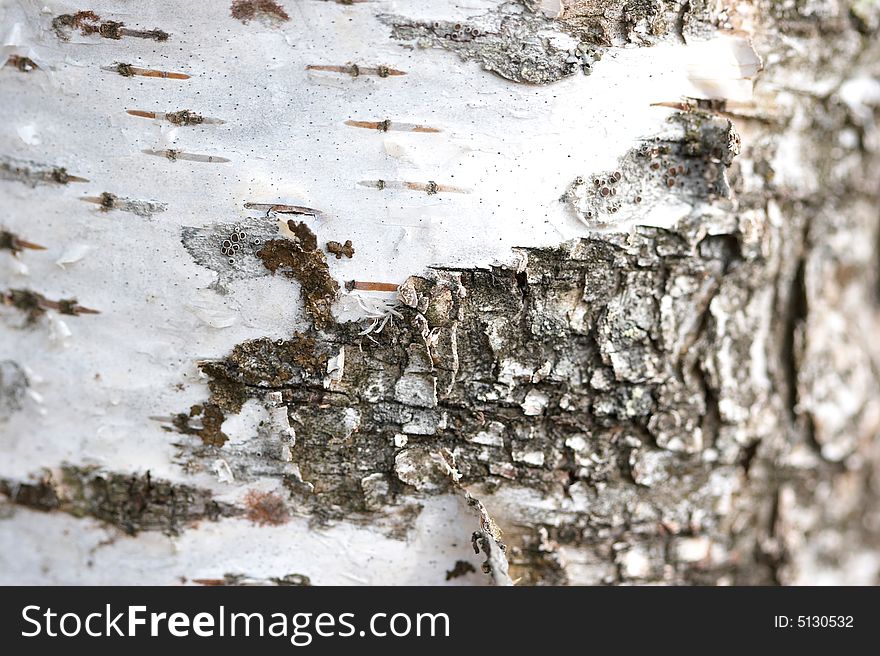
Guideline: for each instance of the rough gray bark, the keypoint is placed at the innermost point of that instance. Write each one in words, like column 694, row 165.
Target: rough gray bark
column 697, row 403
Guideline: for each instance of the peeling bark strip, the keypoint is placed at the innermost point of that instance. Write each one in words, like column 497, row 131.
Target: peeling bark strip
column 131, row 503
column 278, row 208
column 488, row 537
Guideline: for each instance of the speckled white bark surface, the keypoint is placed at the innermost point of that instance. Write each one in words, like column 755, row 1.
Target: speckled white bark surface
column 98, row 382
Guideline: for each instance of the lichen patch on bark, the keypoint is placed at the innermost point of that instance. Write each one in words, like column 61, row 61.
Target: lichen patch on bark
column 204, row 420
column 265, row 508
column 130, row 502
column 341, row 250
column 512, row 45
column 690, row 167
column 300, row 259
column 206, row 245
column 184, row 117
column 22, row 63
column 266, row 10
column 14, row 385
column 524, row 42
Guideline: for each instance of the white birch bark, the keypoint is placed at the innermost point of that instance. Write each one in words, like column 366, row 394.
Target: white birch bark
column 674, row 381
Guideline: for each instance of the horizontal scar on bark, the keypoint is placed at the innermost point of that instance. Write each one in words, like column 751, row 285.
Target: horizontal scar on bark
column 718, row 106
column 175, row 155
column 429, row 187
column 12, row 242
column 391, row 126
column 183, row 117
column 34, row 174
column 34, row 303
column 354, row 70
column 127, row 70
column 108, row 201
column 88, row 23
column 690, row 104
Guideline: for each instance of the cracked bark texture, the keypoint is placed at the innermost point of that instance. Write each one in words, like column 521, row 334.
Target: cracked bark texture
column 692, row 400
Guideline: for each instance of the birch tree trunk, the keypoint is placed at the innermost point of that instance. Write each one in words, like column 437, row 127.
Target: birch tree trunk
column 542, row 291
